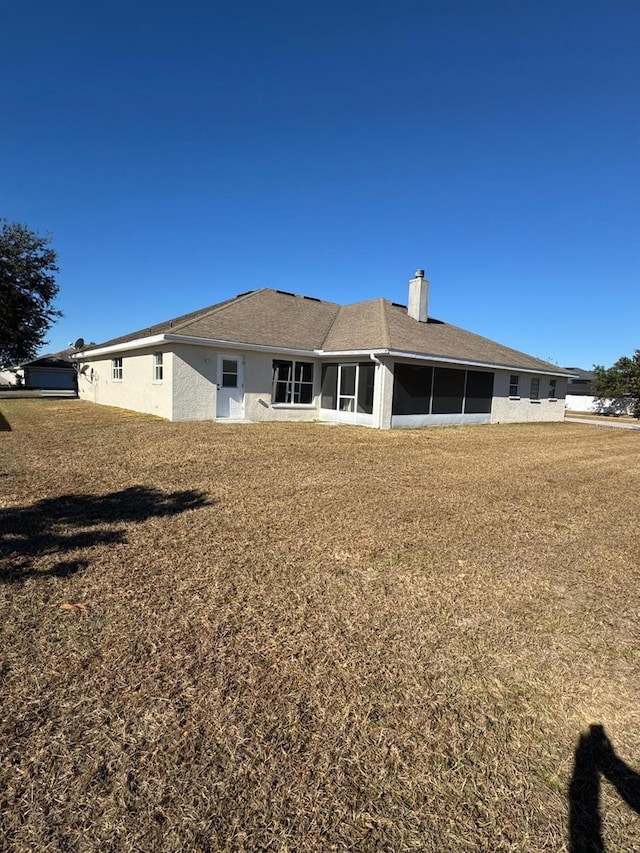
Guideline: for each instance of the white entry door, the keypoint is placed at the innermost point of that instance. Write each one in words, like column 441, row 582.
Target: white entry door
column 230, row 397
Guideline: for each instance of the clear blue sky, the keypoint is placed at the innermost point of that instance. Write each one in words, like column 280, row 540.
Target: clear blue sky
column 180, row 153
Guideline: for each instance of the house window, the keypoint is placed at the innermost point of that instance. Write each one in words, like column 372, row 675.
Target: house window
column 229, row 372
column 514, row 382
column 535, row 389
column 116, row 369
column 552, row 389
column 292, row 382
column 158, row 371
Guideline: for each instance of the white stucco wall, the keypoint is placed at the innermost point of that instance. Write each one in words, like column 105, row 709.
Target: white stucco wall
column 189, row 387
column 257, row 398
column 383, row 393
column 194, row 375
column 523, row 409
column 137, row 390
column 414, row 421
column 333, row 416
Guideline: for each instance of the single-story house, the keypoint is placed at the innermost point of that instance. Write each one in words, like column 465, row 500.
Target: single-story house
column 56, row 372
column 53, row 372
column 271, row 355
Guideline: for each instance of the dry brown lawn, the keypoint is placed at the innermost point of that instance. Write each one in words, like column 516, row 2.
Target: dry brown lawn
column 305, row 638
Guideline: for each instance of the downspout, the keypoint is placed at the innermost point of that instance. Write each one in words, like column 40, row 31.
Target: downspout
column 374, row 358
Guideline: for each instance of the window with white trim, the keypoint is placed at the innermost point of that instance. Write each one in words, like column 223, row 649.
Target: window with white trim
column 230, row 372
column 158, row 367
column 553, row 390
column 292, row 381
column 514, row 385
column 535, row 388
column 116, row 369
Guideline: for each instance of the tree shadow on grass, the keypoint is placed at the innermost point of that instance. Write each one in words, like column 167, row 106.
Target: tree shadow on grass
column 596, row 758
column 55, row 526
column 5, row 426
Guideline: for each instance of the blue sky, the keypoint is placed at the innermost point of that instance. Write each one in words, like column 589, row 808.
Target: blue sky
column 179, row 154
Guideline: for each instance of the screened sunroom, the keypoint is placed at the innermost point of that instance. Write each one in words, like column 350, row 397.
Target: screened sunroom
column 429, row 395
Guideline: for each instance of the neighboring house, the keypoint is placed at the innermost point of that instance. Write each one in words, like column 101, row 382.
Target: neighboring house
column 579, row 391
column 53, row 372
column 271, row 355
column 580, row 396
column 579, row 383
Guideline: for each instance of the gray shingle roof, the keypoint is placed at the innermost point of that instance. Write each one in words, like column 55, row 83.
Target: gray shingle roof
column 447, row 341
column 54, row 359
column 582, row 382
column 277, row 319
column 264, row 317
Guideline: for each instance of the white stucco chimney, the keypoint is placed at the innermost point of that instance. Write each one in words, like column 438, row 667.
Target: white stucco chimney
column 418, row 297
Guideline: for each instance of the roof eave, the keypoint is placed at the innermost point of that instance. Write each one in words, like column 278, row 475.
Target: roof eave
column 189, row 340
column 138, row 343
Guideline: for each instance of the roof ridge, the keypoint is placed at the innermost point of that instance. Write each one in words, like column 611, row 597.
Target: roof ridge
column 383, row 325
column 333, row 322
column 386, row 335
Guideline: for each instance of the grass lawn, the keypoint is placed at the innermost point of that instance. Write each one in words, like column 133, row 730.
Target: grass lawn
column 303, row 638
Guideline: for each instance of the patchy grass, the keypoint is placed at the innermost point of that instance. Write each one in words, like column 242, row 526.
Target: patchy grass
column 295, row 638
